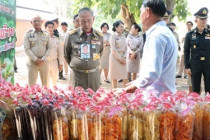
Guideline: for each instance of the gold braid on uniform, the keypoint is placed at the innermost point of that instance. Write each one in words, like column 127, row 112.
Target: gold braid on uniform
column 99, row 33
column 72, row 31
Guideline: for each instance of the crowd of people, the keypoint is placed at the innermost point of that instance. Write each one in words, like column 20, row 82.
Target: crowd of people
column 145, row 57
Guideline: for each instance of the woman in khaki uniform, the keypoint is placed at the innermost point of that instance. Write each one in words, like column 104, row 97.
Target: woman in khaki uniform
column 117, row 63
column 56, row 56
column 104, row 62
column 134, row 51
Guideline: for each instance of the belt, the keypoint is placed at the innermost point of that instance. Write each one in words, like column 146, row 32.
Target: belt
column 86, row 71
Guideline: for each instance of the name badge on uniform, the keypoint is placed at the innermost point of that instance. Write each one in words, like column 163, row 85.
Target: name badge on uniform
column 194, row 47
column 98, row 42
column 96, row 56
column 93, row 42
column 31, row 35
column 94, row 38
column 85, row 51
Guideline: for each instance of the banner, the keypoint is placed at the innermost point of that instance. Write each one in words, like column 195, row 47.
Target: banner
column 7, row 38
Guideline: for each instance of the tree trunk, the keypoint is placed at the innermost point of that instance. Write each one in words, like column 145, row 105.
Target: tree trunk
column 170, row 6
column 127, row 17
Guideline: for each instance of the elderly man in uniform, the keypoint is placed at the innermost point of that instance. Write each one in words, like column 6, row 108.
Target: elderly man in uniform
column 85, row 70
column 197, row 52
column 160, row 51
column 56, row 55
column 38, row 48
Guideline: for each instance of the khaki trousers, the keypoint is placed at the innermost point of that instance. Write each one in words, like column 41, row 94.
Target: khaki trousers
column 181, row 65
column 65, row 66
column 53, row 68
column 33, row 71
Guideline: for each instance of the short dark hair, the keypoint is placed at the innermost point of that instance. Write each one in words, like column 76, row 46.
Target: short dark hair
column 136, row 26
column 157, row 6
column 189, row 22
column 116, row 24
column 47, row 23
column 172, row 24
column 85, row 9
column 64, row 24
column 103, row 24
column 55, row 20
column 75, row 16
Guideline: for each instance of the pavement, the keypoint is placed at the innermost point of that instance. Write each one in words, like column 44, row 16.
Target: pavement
column 22, row 76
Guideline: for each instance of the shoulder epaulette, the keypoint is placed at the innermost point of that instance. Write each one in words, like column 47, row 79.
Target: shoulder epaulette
column 100, row 33
column 29, row 31
column 72, row 31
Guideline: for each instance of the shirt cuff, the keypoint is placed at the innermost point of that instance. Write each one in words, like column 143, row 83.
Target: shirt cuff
column 136, row 83
column 34, row 58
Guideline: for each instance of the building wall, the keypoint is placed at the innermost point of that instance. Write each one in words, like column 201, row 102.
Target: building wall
column 21, row 27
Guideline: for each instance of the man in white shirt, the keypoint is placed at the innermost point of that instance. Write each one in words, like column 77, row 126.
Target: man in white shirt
column 160, row 51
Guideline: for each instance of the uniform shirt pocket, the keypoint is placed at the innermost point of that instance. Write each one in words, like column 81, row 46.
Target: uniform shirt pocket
column 33, row 41
column 44, row 41
column 76, row 48
column 194, row 44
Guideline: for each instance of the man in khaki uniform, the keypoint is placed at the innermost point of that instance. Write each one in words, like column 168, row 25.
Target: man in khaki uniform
column 37, row 46
column 189, row 25
column 84, row 64
column 63, row 32
column 56, row 55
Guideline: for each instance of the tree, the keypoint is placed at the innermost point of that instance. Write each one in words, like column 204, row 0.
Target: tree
column 129, row 10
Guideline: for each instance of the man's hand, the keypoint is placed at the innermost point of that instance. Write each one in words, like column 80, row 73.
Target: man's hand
column 130, row 88
column 60, row 67
column 39, row 62
column 188, row 72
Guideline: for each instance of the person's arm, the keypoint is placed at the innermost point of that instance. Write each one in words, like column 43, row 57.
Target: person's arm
column 187, row 51
column 67, row 49
column 27, row 48
column 153, row 62
column 49, row 49
column 60, row 53
column 128, row 45
column 140, row 45
column 183, row 39
column 187, row 54
column 178, row 41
